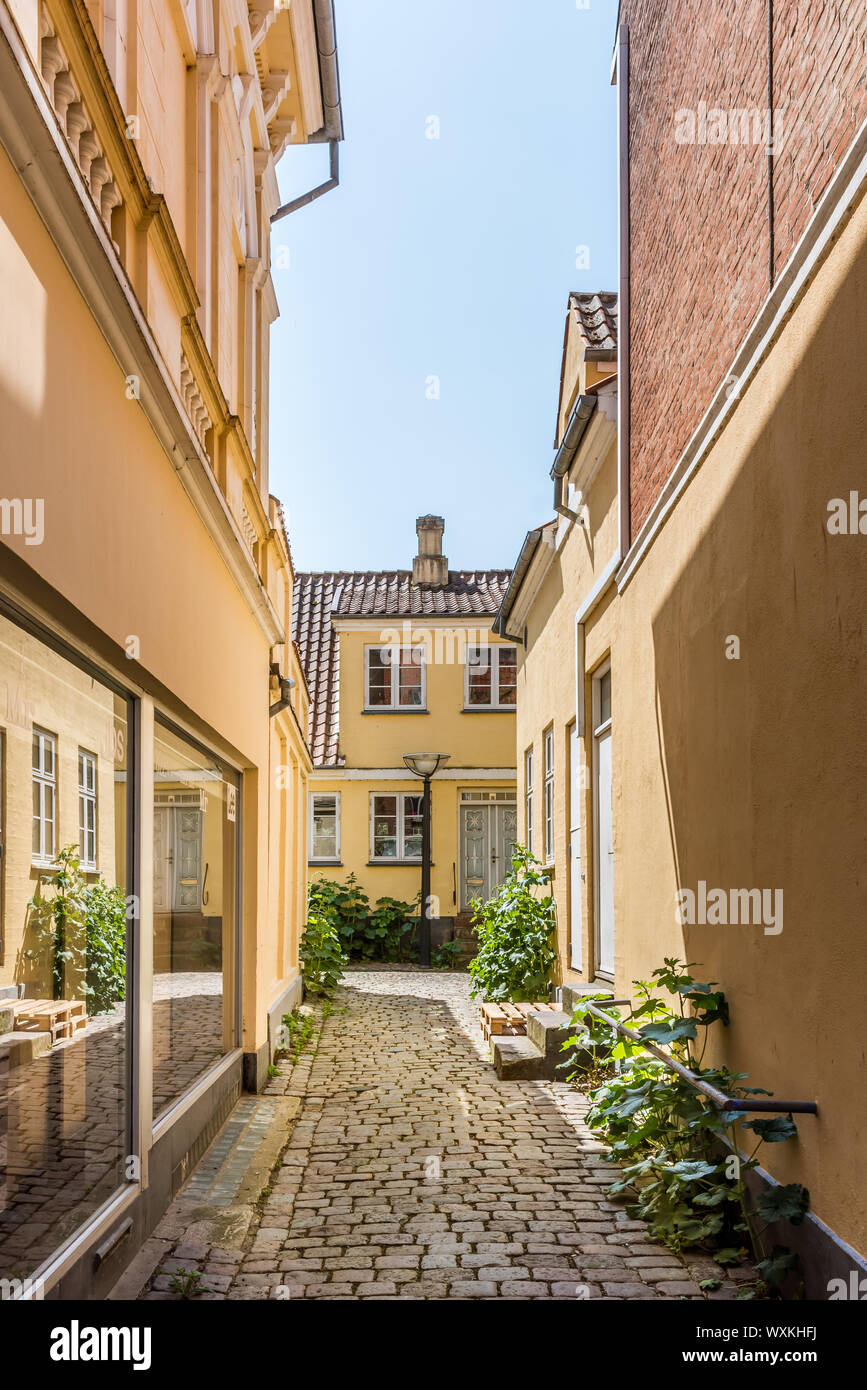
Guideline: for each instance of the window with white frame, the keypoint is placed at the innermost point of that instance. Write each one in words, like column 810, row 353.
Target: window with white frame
column 324, row 827
column 395, row 826
column 87, row 809
column 549, row 796
column 528, row 799
column 394, row 677
column 44, row 795
column 491, row 677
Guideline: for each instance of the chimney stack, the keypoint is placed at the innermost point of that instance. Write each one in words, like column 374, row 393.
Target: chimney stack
column 430, row 566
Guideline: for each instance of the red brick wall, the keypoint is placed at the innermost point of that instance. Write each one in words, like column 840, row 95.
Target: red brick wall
column 700, row 212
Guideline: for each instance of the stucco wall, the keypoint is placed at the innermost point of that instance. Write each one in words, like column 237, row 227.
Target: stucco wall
column 472, row 738
column 750, row 773
column 547, row 695
column 114, row 506
column 401, row 881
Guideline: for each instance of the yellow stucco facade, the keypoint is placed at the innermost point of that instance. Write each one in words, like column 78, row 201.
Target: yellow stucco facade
column 734, row 632
column 480, row 744
column 138, row 146
column 567, row 560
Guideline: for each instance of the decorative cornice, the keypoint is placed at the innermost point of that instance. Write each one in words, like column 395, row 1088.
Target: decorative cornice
column 40, row 151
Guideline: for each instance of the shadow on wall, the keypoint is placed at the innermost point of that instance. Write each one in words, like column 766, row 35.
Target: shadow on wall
column 764, row 756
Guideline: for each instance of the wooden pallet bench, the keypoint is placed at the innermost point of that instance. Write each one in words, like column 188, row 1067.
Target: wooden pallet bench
column 61, row 1018
column 509, row 1020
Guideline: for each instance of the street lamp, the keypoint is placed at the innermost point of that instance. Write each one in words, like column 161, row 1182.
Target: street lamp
column 424, row 765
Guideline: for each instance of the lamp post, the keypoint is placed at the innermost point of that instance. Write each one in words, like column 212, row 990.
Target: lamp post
column 424, row 765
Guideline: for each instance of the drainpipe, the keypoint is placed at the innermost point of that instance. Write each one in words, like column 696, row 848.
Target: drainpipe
column 575, row 430
column 332, row 127
column 305, row 198
column 287, row 685
column 624, row 386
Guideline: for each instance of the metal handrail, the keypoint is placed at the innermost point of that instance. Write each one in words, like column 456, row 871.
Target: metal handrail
column 717, row 1097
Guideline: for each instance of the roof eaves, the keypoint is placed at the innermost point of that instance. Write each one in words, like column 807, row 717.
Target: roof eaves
column 522, row 564
column 579, row 419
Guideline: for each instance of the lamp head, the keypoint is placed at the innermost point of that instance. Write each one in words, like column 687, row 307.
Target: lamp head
column 425, row 764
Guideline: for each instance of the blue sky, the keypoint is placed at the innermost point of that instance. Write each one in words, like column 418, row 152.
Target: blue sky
column 449, row 257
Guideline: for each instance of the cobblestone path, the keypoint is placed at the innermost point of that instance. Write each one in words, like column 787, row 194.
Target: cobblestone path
column 412, row 1171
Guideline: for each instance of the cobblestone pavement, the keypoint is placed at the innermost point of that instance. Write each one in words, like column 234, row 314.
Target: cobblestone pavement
column 62, row 1114
column 413, row 1172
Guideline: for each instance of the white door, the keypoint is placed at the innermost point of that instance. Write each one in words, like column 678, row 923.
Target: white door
column 177, row 859
column 603, row 836
column 488, row 838
column 187, row 860
column 162, row 860
column 475, row 855
column 576, row 875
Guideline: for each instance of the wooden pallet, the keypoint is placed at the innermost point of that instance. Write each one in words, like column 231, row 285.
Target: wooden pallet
column 62, row 1018
column 510, row 1020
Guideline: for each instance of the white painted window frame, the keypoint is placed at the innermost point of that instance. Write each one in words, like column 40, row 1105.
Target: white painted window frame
column 394, row 706
column 313, row 797
column 400, row 831
column 87, row 797
column 600, row 727
column 493, row 651
column 42, row 780
column 528, row 798
column 548, row 743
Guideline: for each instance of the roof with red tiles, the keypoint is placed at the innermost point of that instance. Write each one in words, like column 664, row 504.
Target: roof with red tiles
column 597, row 319
column 318, row 598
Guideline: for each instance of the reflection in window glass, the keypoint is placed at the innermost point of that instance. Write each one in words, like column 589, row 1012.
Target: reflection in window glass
column 194, row 883
column 397, row 826
column 63, row 939
column 324, row 827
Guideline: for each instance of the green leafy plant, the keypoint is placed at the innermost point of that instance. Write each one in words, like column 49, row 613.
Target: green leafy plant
column 299, row 1029
column 185, row 1282
column 322, row 957
column 514, row 930
column 670, row 1138
column 445, row 956
column 386, row 933
column 79, row 935
column 105, row 909
column 347, row 904
column 392, row 926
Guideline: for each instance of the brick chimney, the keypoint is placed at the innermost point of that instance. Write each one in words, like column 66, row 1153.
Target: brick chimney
column 430, row 566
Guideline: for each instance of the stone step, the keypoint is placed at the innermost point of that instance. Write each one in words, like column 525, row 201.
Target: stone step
column 517, row 1059
column 548, row 1031
column 571, row 993
column 18, row 1048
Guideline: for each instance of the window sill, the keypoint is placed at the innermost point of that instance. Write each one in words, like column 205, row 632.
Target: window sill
column 396, row 863
column 488, row 709
column 402, row 709
column 325, row 863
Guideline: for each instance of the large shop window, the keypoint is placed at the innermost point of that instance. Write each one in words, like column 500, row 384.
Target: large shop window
column 64, row 905
column 195, row 887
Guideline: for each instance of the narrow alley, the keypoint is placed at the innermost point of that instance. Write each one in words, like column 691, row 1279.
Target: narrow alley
column 410, row 1171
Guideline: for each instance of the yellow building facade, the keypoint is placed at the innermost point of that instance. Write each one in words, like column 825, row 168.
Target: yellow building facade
column 695, row 693
column 558, row 611
column 401, row 662
column 153, row 709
